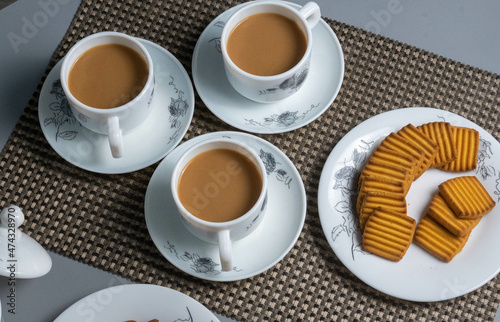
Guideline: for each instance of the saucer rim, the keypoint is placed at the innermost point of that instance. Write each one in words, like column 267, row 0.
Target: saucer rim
column 217, row 278
column 142, row 295
column 133, row 166
column 320, row 112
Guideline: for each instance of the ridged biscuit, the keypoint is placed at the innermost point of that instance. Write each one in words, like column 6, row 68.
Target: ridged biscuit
column 375, row 183
column 386, row 171
column 467, row 197
column 443, row 214
column 395, row 157
column 441, row 133
column 398, row 143
column 429, row 148
column 376, row 199
column 388, row 234
column 467, row 144
column 437, row 240
column 390, row 164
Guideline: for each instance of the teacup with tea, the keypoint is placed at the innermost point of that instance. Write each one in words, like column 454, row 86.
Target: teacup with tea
column 266, row 48
column 108, row 79
column 220, row 189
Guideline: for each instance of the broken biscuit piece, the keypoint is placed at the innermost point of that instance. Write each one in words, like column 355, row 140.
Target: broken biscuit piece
column 467, row 145
column 441, row 133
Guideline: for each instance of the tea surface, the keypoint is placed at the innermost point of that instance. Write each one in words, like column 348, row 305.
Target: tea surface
column 266, row 44
column 219, row 185
column 107, row 76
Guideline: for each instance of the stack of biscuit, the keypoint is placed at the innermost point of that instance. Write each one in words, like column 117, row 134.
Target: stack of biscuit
column 451, row 216
column 401, row 158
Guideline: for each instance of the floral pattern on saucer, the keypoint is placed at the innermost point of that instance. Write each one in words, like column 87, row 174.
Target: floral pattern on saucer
column 201, row 265
column 285, row 119
column 271, row 166
column 61, row 113
column 178, row 108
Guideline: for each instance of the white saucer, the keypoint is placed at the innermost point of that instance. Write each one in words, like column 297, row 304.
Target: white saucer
column 138, row 302
column 419, row 276
column 316, row 95
column 173, row 107
column 261, row 250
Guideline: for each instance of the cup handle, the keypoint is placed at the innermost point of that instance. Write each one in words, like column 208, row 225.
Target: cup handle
column 311, row 12
column 115, row 137
column 225, row 251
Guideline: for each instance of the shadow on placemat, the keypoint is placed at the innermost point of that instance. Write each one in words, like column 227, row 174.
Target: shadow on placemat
column 98, row 219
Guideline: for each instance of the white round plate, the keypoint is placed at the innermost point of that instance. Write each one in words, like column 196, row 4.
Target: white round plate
column 139, row 302
column 267, row 245
column 173, row 107
column 315, row 96
column 419, row 276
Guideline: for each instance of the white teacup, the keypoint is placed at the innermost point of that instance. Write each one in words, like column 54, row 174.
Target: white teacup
column 267, row 89
column 112, row 121
column 221, row 233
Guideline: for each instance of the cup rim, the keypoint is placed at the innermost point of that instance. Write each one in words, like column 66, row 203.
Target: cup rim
column 106, row 111
column 291, row 71
column 225, row 224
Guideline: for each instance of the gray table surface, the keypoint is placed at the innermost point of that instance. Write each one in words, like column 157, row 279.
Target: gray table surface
column 462, row 30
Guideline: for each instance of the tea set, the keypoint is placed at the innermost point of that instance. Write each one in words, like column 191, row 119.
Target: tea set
column 135, row 135
column 171, row 112
column 317, row 93
column 255, row 104
column 262, row 249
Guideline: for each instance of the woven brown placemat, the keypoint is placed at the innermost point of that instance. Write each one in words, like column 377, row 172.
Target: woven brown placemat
column 98, row 219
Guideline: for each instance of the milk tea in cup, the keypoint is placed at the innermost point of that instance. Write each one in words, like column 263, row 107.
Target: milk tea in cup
column 266, row 44
column 108, row 80
column 266, row 49
column 107, row 76
column 220, row 189
column 219, row 185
